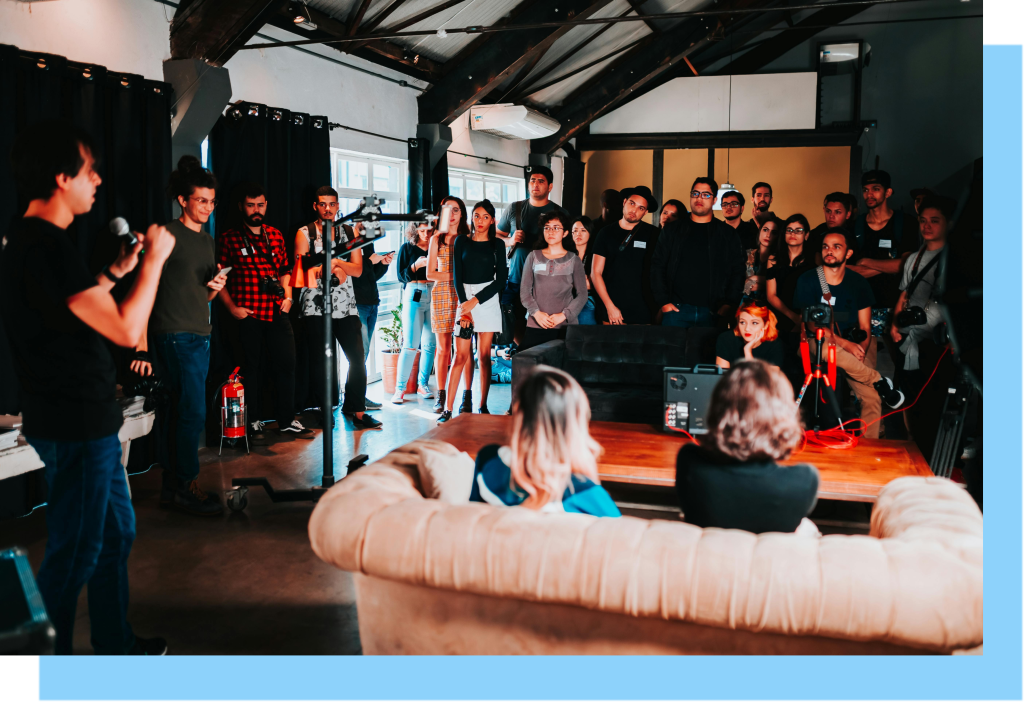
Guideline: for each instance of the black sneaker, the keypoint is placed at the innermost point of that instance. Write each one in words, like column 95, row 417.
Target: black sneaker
column 370, row 404
column 890, row 395
column 484, row 410
column 467, row 402
column 445, row 416
column 148, row 647
column 296, row 430
column 366, row 422
column 192, row 500
column 256, row 431
column 439, row 405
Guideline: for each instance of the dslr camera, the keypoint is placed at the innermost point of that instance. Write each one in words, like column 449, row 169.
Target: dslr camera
column 818, row 313
column 270, row 285
column 149, row 386
column 462, row 332
column 911, row 317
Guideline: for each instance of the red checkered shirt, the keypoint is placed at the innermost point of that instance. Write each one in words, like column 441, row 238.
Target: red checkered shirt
column 235, row 249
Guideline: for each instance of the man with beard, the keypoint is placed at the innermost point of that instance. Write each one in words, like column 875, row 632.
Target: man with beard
column 698, row 267
column 884, row 239
column 257, row 295
column 850, row 298
column 732, row 207
column 761, row 195
column 620, row 272
column 838, row 209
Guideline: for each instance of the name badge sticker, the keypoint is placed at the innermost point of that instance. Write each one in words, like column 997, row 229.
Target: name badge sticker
column 540, row 267
column 639, row 244
column 831, row 302
column 885, row 243
column 245, row 252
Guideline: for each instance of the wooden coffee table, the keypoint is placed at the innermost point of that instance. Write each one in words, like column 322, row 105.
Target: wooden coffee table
column 646, row 455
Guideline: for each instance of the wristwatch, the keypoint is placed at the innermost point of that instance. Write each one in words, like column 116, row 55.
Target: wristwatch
column 110, row 276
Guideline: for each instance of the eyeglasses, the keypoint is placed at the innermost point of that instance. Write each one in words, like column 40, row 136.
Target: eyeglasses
column 695, row 194
column 798, row 230
column 554, row 229
column 203, row 202
column 729, row 205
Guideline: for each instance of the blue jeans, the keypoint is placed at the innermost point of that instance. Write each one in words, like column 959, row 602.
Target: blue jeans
column 182, row 361
column 368, row 320
column 586, row 315
column 688, row 316
column 91, row 526
column 416, row 333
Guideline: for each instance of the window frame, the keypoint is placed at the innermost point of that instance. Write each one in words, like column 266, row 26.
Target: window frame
column 464, row 174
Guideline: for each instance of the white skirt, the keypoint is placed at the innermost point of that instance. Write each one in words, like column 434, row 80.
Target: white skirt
column 486, row 315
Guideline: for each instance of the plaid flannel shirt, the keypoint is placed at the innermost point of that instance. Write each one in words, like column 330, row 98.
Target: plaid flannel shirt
column 233, row 249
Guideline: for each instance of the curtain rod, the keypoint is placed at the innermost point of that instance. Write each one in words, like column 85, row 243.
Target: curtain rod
column 335, row 125
column 487, row 159
column 476, row 29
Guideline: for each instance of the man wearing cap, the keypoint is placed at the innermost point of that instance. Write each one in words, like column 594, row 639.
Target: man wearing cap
column 883, row 239
column 698, row 268
column 919, row 194
column 621, row 267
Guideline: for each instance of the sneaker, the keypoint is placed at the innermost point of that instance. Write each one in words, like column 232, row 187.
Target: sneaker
column 370, row 404
column 295, row 429
column 366, row 422
column 148, row 647
column 398, row 398
column 424, row 392
column 256, row 430
column 889, row 394
column 439, row 405
column 445, row 416
column 467, row 402
column 484, row 410
column 192, row 500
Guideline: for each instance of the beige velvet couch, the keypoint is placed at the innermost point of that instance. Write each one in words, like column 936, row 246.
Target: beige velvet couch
column 439, row 578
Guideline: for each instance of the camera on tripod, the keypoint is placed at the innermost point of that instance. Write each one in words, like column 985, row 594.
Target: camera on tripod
column 272, row 286
column 819, row 313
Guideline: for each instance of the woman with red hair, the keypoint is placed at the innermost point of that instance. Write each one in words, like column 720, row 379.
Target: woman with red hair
column 755, row 335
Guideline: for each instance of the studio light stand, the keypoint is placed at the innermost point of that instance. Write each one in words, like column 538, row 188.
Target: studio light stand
column 368, row 213
column 818, row 376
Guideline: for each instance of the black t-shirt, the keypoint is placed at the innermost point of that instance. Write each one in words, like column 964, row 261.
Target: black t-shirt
column 748, row 232
column 532, row 236
column 67, row 375
column 758, row 496
column 729, row 347
column 695, row 280
column 881, row 245
column 786, row 277
column 408, row 255
column 626, row 272
column 848, row 298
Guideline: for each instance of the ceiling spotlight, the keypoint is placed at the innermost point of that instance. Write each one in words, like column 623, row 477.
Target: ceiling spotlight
column 300, row 16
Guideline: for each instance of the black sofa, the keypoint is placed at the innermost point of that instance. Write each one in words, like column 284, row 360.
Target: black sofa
column 620, row 367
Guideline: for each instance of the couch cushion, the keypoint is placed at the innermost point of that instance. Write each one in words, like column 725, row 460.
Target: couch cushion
column 625, row 403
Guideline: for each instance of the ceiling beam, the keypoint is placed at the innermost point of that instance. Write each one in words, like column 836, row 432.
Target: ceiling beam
column 784, row 41
column 357, row 19
column 213, row 30
column 379, row 51
column 376, row 20
column 415, row 19
column 636, row 5
column 499, row 58
column 632, row 73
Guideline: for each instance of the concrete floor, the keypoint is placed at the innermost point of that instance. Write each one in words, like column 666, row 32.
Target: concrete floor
column 245, row 583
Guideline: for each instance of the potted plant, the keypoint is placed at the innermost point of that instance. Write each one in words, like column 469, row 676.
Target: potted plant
column 392, row 335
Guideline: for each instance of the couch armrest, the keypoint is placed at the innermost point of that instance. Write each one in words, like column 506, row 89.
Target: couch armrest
column 550, row 353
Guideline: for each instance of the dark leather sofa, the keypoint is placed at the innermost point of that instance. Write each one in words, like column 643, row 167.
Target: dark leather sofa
column 620, row 367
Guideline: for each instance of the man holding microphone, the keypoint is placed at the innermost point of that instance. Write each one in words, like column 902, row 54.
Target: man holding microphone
column 58, row 314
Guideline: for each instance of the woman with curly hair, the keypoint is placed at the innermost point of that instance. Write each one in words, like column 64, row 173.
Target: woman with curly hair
column 755, row 335
column 732, row 480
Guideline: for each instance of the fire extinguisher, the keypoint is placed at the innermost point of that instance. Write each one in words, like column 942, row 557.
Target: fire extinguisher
column 233, row 407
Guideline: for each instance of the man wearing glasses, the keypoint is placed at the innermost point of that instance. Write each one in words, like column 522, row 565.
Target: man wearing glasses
column 698, row 267
column 179, row 329
column 620, row 272
column 732, row 207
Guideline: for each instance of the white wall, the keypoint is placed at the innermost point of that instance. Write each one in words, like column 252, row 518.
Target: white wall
column 467, row 141
column 133, row 36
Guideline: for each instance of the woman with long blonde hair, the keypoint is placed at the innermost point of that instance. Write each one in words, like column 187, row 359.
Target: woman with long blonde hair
column 551, row 465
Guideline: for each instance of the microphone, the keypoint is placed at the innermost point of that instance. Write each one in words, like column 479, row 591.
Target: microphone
column 119, row 227
column 446, row 219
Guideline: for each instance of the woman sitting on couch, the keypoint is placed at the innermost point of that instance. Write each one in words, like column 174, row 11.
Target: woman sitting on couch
column 552, row 463
column 731, row 480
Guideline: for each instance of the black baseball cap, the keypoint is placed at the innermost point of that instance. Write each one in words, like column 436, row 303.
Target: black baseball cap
column 876, row 177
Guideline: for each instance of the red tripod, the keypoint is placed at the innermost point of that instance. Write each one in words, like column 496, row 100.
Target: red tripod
column 823, row 375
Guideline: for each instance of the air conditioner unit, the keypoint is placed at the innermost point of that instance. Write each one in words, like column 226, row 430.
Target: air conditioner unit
column 509, row 121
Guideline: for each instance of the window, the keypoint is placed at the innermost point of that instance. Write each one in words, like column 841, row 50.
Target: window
column 355, row 176
column 473, row 187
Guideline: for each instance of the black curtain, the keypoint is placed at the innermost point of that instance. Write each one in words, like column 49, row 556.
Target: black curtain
column 129, row 121
column 288, row 153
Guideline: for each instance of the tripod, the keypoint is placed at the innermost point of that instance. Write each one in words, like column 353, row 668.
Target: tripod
column 820, row 374
column 369, row 211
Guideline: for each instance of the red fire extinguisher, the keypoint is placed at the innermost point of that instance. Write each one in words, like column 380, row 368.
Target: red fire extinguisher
column 232, row 413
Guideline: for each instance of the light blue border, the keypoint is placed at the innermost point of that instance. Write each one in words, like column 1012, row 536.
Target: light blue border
column 995, row 675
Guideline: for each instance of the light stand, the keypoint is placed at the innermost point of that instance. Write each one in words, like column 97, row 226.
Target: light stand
column 369, row 212
column 819, row 375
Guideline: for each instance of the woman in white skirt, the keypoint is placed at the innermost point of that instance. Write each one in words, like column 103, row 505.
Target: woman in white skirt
column 480, row 273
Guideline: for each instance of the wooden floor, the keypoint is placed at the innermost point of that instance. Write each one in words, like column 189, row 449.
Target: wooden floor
column 646, row 455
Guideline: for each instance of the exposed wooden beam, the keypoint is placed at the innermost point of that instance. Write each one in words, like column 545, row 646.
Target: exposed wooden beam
column 213, row 30
column 636, row 5
column 498, row 59
column 630, row 74
column 376, row 20
column 415, row 19
column 357, row 18
column 577, row 71
column 378, row 51
column 512, row 17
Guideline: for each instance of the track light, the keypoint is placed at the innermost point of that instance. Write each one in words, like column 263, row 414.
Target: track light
column 300, row 16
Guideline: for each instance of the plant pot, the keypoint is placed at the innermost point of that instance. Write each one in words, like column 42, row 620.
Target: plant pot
column 389, row 373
